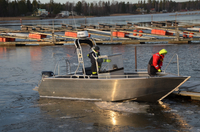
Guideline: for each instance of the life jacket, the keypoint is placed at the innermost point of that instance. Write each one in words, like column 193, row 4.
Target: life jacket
column 93, row 54
column 156, row 60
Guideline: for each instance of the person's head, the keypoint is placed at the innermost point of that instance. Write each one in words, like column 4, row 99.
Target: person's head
column 163, row 52
column 96, row 48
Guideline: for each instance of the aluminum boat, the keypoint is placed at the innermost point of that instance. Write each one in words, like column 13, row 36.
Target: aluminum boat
column 111, row 83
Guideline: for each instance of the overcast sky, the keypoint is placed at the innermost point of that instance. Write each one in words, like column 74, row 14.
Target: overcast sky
column 75, row 1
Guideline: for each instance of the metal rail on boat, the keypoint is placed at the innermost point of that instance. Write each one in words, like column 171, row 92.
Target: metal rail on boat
column 107, row 76
column 57, row 66
column 177, row 63
column 77, row 43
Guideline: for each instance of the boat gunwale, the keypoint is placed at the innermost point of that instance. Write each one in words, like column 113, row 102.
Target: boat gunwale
column 120, row 78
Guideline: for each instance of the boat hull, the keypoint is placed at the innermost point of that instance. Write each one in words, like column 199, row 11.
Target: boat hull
column 141, row 89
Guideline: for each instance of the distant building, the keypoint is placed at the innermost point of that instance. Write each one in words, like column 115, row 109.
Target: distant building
column 164, row 11
column 73, row 13
column 152, row 10
column 42, row 12
column 141, row 10
column 64, row 13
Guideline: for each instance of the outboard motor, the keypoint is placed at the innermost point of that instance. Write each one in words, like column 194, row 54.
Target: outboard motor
column 47, row 74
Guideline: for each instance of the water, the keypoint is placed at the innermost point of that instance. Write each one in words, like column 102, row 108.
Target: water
column 192, row 17
column 21, row 109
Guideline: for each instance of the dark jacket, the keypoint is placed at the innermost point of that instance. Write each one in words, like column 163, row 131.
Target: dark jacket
column 91, row 55
column 155, row 63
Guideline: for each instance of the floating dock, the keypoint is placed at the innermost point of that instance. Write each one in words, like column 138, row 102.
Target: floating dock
column 190, row 89
column 192, row 95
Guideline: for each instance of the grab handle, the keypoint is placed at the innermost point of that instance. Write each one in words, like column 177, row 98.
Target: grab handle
column 177, row 63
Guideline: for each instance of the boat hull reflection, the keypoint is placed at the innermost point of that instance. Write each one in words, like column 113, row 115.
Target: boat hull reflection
column 115, row 115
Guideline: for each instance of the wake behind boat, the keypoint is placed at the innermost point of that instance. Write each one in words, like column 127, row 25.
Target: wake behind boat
column 111, row 83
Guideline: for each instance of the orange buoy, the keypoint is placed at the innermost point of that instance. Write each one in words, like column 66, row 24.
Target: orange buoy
column 184, row 34
column 135, row 34
column 191, row 36
column 140, row 32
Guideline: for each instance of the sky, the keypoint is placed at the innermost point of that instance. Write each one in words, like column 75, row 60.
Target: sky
column 75, row 1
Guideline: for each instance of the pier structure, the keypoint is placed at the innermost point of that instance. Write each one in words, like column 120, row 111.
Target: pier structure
column 170, row 32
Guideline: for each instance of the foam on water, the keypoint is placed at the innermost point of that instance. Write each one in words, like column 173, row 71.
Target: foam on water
column 131, row 107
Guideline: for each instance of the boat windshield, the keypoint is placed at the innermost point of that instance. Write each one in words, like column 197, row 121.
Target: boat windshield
column 116, row 62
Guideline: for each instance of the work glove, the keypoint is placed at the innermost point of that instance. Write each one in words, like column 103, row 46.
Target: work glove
column 159, row 70
column 108, row 60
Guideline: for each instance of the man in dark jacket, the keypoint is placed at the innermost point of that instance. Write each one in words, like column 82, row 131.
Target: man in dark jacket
column 94, row 58
column 156, row 61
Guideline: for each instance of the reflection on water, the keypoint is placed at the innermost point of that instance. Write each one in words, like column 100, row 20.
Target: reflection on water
column 130, row 107
column 2, row 51
column 133, row 114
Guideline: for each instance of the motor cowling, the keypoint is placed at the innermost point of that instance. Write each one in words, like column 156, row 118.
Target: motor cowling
column 46, row 74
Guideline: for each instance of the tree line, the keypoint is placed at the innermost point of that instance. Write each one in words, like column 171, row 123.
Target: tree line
column 100, row 8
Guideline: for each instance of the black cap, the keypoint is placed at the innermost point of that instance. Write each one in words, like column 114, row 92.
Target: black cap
column 96, row 48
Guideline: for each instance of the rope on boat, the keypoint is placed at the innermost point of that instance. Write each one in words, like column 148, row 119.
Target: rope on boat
column 174, row 89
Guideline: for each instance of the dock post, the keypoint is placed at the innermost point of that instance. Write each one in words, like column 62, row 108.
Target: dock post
column 177, row 33
column 53, row 37
column 135, row 58
column 21, row 21
column 111, row 35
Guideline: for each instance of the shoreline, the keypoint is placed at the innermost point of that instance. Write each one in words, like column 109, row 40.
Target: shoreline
column 39, row 18
column 71, row 17
column 18, row 18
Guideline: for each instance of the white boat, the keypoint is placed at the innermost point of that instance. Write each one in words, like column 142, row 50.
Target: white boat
column 111, row 83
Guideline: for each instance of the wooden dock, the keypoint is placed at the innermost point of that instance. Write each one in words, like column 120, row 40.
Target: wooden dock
column 165, row 32
column 189, row 89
